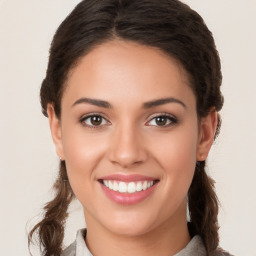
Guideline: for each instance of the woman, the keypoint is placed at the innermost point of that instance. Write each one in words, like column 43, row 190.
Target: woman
column 132, row 93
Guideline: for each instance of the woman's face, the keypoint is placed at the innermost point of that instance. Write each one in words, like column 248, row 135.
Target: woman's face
column 130, row 137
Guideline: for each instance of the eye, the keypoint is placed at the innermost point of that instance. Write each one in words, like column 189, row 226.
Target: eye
column 164, row 120
column 93, row 121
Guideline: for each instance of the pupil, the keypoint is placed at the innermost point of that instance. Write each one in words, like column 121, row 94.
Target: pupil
column 96, row 120
column 161, row 120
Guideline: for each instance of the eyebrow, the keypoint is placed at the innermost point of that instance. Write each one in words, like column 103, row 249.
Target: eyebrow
column 96, row 102
column 146, row 105
column 163, row 101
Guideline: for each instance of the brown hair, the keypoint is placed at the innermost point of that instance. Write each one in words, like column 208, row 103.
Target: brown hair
column 168, row 25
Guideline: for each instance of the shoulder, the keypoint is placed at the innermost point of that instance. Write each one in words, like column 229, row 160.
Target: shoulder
column 221, row 252
column 196, row 247
column 70, row 250
column 77, row 248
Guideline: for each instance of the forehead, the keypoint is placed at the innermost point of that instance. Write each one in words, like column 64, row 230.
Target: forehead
column 128, row 71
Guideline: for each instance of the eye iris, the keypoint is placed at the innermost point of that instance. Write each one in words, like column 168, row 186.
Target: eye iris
column 161, row 120
column 96, row 120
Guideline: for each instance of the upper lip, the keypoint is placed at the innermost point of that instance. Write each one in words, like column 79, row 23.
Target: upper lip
column 127, row 178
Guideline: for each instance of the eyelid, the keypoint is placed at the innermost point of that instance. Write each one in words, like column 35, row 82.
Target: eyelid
column 84, row 117
column 173, row 119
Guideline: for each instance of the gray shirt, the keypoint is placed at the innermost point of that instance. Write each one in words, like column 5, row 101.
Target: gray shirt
column 194, row 248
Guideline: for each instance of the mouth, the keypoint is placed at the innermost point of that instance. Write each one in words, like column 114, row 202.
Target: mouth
column 128, row 189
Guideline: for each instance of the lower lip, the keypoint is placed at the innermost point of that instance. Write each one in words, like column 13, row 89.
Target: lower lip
column 127, row 198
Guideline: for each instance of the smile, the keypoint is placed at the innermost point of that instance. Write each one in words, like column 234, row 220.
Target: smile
column 128, row 187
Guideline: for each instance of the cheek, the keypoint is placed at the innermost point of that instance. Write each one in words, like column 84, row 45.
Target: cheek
column 82, row 149
column 176, row 153
column 82, row 154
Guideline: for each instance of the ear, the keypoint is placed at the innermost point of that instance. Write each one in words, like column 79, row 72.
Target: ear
column 206, row 136
column 55, row 126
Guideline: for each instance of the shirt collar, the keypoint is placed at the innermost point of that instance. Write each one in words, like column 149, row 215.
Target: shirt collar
column 194, row 248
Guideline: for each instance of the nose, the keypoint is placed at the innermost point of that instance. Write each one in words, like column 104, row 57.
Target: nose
column 127, row 147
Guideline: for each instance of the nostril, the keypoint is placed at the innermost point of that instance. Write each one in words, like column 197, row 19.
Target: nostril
column 127, row 152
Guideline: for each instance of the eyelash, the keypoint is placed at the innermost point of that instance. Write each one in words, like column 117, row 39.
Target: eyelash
column 172, row 120
column 83, row 119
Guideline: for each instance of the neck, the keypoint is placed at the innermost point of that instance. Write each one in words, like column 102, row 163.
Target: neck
column 167, row 239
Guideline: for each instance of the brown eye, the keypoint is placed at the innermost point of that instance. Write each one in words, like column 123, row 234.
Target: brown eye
column 93, row 121
column 163, row 120
column 96, row 120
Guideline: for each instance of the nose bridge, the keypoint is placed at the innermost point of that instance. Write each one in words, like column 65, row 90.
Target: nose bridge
column 126, row 146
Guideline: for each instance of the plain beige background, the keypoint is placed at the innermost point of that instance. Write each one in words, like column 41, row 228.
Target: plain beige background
column 28, row 163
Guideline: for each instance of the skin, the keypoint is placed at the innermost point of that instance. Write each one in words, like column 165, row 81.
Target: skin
column 130, row 141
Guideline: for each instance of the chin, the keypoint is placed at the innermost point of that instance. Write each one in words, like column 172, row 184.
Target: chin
column 130, row 226
column 130, row 231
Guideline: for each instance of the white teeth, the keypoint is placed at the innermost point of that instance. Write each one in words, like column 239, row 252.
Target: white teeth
column 131, row 187
column 139, row 186
column 105, row 182
column 115, row 186
column 122, row 187
column 128, row 187
column 145, row 185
